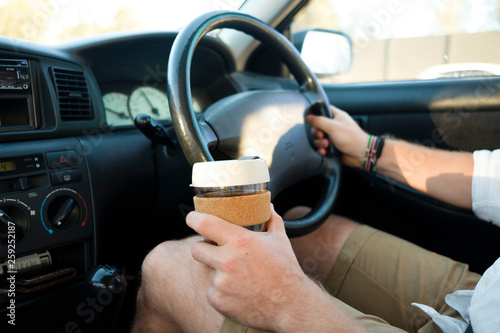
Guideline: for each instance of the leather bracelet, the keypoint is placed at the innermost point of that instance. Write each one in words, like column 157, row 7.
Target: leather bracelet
column 378, row 152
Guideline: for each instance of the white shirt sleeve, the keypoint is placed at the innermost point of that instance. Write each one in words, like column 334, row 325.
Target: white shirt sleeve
column 486, row 185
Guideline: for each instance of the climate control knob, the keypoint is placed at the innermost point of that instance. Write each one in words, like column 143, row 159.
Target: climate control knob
column 12, row 219
column 64, row 210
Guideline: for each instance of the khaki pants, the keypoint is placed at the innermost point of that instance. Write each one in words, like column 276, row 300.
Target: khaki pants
column 377, row 276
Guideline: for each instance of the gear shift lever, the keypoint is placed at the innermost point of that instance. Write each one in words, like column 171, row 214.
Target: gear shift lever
column 105, row 288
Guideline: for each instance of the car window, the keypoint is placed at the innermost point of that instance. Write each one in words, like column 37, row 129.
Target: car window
column 55, row 21
column 407, row 40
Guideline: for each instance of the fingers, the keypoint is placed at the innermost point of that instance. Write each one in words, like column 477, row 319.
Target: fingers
column 205, row 253
column 317, row 134
column 325, row 124
column 275, row 223
column 220, row 231
column 320, row 141
column 212, row 227
column 223, row 232
column 336, row 112
column 323, row 143
column 319, row 122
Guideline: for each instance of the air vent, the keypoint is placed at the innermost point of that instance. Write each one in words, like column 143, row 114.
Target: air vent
column 73, row 94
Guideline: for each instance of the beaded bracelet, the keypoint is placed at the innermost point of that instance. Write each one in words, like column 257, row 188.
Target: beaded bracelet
column 373, row 152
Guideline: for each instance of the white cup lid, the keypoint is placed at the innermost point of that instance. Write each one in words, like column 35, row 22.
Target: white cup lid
column 230, row 173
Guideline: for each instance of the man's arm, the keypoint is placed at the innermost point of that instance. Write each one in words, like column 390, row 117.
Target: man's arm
column 441, row 174
column 444, row 175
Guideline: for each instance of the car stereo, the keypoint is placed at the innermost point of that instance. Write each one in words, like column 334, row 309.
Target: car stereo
column 14, row 74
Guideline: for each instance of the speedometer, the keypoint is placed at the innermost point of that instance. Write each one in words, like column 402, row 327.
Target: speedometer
column 149, row 100
column 116, row 109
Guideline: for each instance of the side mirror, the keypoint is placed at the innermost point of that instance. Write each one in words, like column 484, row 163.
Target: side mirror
column 326, row 52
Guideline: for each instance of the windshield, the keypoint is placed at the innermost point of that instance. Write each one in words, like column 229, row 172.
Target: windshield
column 55, row 21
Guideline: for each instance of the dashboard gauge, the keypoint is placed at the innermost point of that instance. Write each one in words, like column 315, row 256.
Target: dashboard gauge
column 150, row 101
column 116, row 109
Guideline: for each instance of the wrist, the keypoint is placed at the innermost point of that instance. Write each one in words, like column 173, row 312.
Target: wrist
column 361, row 150
column 306, row 307
column 316, row 309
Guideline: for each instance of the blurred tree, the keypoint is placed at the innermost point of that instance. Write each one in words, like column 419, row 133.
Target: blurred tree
column 123, row 20
column 41, row 21
column 319, row 14
column 450, row 16
column 25, row 19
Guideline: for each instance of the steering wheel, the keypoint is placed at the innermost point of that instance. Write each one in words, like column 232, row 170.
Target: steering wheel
column 265, row 123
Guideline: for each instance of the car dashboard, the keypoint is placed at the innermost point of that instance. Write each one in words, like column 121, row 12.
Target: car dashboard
column 80, row 185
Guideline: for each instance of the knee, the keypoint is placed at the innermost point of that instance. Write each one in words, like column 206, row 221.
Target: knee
column 151, row 272
column 337, row 221
column 334, row 230
column 296, row 212
column 332, row 222
column 158, row 267
column 156, row 260
column 317, row 251
column 165, row 257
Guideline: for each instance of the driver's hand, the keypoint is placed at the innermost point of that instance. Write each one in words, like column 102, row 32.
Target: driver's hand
column 345, row 134
column 255, row 276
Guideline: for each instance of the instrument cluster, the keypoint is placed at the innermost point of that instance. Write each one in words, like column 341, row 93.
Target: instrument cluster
column 121, row 109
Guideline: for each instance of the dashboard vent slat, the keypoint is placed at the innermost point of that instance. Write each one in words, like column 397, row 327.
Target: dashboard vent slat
column 72, row 94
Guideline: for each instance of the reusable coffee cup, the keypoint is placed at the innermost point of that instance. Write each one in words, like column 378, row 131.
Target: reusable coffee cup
column 234, row 190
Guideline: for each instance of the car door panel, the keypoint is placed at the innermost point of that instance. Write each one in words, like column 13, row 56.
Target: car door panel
column 459, row 114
